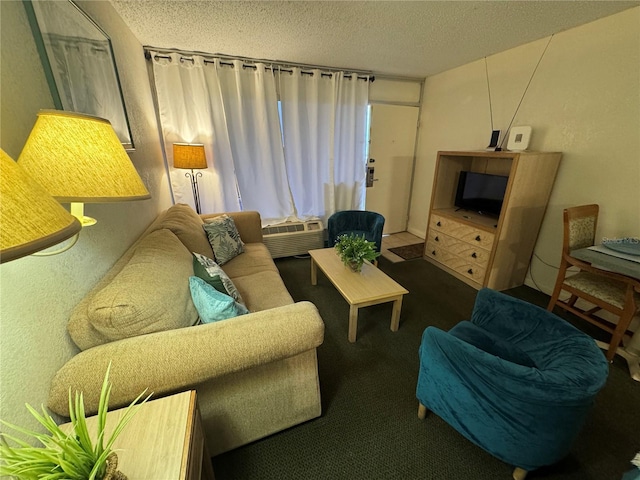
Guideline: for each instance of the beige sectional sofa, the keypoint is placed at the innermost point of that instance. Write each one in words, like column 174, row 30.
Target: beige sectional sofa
column 255, row 374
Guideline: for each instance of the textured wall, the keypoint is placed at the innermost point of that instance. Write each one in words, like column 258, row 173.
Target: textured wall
column 20, row 55
column 584, row 101
column 37, row 294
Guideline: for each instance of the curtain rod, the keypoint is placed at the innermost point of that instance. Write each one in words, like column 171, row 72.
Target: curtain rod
column 282, row 66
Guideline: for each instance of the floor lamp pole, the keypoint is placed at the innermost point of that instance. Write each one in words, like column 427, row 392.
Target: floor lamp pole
column 193, row 176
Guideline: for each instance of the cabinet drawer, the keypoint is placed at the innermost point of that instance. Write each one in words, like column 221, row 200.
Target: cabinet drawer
column 474, row 272
column 471, row 252
column 462, row 231
column 459, row 264
column 439, row 253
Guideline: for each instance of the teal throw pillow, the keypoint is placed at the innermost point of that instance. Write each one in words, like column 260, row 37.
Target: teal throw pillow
column 212, row 305
column 213, row 270
column 224, row 238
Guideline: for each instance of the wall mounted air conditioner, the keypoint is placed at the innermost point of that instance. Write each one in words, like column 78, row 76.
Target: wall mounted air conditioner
column 293, row 238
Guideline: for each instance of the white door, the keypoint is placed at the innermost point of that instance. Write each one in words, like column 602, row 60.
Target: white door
column 391, row 148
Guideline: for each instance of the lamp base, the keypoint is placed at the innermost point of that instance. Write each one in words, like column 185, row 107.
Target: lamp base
column 87, row 221
column 194, row 188
column 77, row 210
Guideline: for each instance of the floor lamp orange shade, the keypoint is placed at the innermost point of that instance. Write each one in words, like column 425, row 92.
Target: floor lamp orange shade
column 79, row 159
column 31, row 219
column 191, row 156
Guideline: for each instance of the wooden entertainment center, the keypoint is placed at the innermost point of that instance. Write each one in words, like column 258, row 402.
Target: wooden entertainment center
column 483, row 250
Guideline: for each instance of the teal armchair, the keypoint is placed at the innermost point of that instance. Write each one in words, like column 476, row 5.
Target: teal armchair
column 359, row 222
column 516, row 380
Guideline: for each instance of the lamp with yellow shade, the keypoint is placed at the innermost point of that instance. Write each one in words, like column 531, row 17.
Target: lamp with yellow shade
column 190, row 156
column 30, row 219
column 78, row 158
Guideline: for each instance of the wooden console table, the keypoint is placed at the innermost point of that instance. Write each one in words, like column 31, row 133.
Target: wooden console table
column 163, row 440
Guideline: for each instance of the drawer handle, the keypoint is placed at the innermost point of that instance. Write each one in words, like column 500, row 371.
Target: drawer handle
column 437, row 239
column 433, row 253
column 474, row 255
column 439, row 224
column 470, row 271
column 478, row 238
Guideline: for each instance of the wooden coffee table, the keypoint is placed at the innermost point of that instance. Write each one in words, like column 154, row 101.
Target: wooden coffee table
column 371, row 286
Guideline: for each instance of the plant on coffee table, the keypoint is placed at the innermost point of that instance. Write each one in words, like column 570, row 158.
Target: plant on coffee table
column 354, row 249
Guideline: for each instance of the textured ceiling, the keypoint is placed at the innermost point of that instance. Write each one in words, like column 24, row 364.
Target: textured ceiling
column 413, row 39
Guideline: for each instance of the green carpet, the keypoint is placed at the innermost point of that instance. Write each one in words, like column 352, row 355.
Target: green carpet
column 369, row 427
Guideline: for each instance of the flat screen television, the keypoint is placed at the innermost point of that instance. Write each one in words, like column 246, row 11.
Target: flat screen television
column 481, row 192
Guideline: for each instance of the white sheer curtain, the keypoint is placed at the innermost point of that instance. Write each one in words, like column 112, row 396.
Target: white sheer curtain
column 251, row 109
column 350, row 147
column 232, row 109
column 307, row 103
column 191, row 110
column 324, row 130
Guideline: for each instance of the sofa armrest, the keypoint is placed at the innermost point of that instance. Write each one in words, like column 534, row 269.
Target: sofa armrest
column 249, row 224
column 176, row 360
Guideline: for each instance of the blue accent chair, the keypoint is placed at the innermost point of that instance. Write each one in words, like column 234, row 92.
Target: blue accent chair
column 516, row 380
column 360, row 222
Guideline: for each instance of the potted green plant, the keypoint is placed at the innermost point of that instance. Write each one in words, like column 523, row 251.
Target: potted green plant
column 72, row 455
column 354, row 250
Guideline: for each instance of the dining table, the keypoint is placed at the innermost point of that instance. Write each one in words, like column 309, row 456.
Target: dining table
column 606, row 258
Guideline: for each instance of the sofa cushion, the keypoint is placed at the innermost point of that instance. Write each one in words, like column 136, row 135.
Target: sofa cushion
column 255, row 259
column 186, row 224
column 211, row 304
column 224, row 238
column 214, row 270
column 150, row 294
column 263, row 290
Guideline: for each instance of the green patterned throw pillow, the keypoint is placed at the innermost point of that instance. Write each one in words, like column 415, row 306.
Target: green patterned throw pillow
column 224, row 238
column 213, row 270
column 200, row 271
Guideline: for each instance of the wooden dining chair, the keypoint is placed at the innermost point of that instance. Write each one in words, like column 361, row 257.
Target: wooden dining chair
column 608, row 291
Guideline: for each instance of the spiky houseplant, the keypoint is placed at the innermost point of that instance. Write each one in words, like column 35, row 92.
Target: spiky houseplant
column 70, row 456
column 354, row 250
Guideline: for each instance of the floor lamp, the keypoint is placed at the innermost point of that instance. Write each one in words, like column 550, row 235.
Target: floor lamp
column 190, row 156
